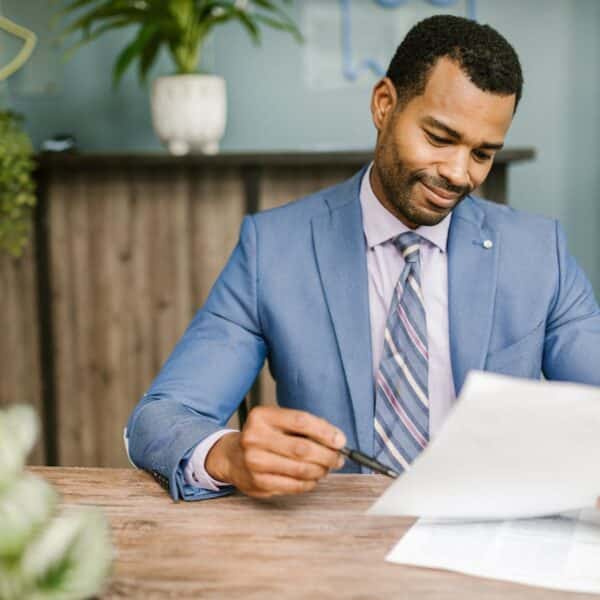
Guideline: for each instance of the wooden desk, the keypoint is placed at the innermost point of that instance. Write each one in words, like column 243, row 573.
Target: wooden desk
column 316, row 546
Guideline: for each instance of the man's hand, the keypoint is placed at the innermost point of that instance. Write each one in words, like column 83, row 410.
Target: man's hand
column 279, row 451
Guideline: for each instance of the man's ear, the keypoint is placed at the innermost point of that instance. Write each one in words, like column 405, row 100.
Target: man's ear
column 383, row 102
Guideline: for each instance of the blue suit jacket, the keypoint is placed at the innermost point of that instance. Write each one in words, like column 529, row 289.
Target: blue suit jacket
column 295, row 292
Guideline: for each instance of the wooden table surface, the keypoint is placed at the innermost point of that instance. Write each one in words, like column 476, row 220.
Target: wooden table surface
column 318, row 546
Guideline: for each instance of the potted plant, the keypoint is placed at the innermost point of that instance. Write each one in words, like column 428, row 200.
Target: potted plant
column 17, row 196
column 188, row 108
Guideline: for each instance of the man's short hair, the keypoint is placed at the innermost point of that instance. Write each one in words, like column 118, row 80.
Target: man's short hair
column 484, row 55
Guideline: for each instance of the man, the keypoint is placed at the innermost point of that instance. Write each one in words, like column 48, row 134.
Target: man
column 373, row 299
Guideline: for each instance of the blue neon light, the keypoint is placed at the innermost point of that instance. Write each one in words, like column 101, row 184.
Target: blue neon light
column 351, row 71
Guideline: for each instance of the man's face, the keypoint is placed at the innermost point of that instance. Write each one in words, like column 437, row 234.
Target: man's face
column 438, row 147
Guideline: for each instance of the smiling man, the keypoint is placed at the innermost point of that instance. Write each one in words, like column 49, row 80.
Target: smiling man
column 437, row 147
column 372, row 300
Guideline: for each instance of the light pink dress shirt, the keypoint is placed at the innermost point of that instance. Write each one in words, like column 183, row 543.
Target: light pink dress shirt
column 384, row 265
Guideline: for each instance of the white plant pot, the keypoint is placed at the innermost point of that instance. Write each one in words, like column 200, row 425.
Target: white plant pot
column 189, row 112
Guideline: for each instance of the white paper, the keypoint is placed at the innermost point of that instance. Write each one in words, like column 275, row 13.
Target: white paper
column 511, row 448
column 554, row 552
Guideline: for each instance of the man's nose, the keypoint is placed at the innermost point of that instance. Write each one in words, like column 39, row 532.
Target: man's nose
column 455, row 170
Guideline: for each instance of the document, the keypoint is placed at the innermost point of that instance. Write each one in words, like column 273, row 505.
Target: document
column 561, row 552
column 511, row 448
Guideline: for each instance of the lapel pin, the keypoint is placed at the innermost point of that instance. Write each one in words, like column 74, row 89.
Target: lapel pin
column 487, row 244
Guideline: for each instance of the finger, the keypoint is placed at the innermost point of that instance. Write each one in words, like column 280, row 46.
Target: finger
column 262, row 461
column 303, row 423
column 301, row 449
column 269, row 484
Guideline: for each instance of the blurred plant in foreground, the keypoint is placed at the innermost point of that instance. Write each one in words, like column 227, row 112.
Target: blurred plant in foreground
column 44, row 554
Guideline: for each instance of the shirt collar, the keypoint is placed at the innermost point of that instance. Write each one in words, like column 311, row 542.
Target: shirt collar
column 380, row 225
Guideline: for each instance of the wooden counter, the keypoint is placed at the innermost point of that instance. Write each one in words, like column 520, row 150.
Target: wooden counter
column 126, row 249
column 315, row 546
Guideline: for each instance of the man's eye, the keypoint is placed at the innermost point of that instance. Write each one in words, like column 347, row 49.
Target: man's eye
column 438, row 140
column 482, row 156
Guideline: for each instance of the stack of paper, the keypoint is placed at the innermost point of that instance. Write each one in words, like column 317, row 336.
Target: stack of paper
column 512, row 451
column 554, row 552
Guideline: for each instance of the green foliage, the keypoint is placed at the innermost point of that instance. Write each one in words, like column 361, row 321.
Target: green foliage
column 180, row 26
column 17, row 196
column 45, row 554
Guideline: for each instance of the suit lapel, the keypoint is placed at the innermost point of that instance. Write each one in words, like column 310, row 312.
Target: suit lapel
column 340, row 251
column 473, row 250
column 472, row 276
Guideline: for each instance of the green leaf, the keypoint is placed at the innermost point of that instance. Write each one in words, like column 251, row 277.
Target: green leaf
column 90, row 37
column 250, row 26
column 205, row 8
column 270, row 6
column 132, row 50
column 148, row 56
column 76, row 5
column 182, row 25
column 86, row 21
column 289, row 27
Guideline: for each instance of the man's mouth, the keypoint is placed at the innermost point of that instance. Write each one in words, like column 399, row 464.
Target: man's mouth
column 441, row 198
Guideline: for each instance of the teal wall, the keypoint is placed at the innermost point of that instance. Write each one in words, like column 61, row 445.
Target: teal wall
column 274, row 104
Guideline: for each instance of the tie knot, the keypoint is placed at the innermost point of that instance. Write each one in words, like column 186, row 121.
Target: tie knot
column 409, row 243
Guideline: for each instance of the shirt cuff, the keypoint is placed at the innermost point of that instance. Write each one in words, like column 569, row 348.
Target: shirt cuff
column 195, row 472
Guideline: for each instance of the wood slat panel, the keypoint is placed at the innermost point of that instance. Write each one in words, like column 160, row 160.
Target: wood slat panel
column 217, row 210
column 134, row 253
column 280, row 185
column 133, row 257
column 20, row 375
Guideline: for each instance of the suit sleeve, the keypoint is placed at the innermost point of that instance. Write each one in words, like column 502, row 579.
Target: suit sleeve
column 207, row 375
column 572, row 343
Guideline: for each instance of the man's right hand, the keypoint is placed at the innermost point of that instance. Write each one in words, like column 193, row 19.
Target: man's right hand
column 279, row 451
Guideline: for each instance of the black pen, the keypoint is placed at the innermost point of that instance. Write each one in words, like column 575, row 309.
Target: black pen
column 367, row 461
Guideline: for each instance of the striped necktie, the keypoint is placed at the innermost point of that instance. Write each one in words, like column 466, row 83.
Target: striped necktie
column 401, row 399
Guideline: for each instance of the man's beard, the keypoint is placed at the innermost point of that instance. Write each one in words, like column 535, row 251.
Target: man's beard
column 398, row 183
